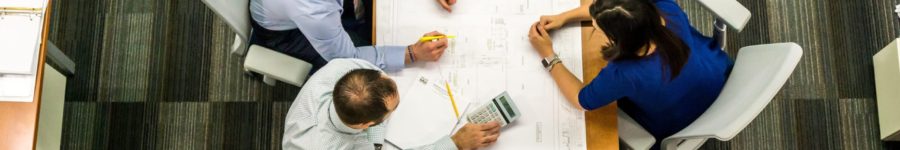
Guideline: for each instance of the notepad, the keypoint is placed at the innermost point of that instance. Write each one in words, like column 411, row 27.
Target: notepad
column 20, row 43
column 425, row 114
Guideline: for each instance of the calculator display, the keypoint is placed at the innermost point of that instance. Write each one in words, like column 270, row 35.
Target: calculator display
column 509, row 109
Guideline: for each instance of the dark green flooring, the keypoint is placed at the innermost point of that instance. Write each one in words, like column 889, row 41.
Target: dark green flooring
column 155, row 74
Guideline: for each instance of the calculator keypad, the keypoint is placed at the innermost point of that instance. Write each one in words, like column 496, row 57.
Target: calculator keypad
column 487, row 114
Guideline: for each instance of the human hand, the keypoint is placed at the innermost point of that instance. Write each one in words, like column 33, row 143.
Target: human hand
column 552, row 22
column 429, row 50
column 446, row 4
column 540, row 40
column 473, row 136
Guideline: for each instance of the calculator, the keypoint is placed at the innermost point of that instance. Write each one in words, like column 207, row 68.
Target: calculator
column 501, row 109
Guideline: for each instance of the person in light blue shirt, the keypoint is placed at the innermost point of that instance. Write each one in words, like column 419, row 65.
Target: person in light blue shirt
column 317, row 31
column 344, row 105
column 662, row 71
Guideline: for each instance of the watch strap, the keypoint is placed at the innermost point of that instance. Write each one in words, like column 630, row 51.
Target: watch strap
column 549, row 62
column 553, row 63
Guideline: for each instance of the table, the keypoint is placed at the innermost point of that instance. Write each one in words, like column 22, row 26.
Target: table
column 18, row 120
column 601, row 124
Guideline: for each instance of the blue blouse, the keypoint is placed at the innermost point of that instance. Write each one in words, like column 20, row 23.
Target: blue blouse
column 643, row 90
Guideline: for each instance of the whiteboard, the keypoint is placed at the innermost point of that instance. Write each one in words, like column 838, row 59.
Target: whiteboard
column 491, row 54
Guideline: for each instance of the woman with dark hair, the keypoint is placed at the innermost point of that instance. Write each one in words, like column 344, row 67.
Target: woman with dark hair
column 661, row 71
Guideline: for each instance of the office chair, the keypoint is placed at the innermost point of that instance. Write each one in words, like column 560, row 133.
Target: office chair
column 272, row 65
column 758, row 74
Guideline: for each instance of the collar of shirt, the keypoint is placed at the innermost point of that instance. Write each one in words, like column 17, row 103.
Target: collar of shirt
column 338, row 124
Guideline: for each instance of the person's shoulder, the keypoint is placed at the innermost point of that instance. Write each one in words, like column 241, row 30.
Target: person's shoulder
column 669, row 8
column 631, row 64
column 336, row 68
column 666, row 3
column 351, row 63
column 635, row 68
column 614, row 69
column 307, row 136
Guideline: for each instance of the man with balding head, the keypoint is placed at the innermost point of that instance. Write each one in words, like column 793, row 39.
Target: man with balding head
column 344, row 105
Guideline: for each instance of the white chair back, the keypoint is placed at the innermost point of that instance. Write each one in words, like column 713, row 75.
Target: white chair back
column 236, row 14
column 758, row 74
column 272, row 65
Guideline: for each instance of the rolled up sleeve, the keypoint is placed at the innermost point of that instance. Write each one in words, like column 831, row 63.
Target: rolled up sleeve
column 320, row 22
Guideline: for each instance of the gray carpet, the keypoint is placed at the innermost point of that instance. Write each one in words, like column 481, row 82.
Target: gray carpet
column 155, row 74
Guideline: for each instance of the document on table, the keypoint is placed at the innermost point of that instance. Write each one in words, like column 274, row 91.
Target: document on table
column 20, row 41
column 491, row 54
column 20, row 37
column 425, row 114
column 17, row 88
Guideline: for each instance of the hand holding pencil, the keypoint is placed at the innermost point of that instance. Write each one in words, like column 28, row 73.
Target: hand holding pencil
column 430, row 49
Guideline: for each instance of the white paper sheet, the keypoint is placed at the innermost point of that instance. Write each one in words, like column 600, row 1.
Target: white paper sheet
column 425, row 114
column 491, row 54
column 17, row 88
column 20, row 41
column 20, row 37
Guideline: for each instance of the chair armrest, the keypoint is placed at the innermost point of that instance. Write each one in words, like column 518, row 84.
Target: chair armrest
column 730, row 11
column 632, row 134
column 276, row 65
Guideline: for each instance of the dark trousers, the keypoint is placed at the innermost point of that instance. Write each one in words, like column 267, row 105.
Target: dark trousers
column 295, row 44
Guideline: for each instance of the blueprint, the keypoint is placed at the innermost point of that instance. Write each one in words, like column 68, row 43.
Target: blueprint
column 491, row 54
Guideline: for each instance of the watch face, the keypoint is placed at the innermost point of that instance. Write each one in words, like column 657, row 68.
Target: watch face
column 545, row 63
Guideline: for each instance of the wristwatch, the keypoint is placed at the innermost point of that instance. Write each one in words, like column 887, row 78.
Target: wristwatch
column 549, row 62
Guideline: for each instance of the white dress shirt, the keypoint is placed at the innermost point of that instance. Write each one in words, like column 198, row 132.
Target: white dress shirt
column 320, row 22
column 312, row 122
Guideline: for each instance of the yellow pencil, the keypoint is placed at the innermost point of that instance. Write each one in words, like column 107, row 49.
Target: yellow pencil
column 429, row 38
column 455, row 110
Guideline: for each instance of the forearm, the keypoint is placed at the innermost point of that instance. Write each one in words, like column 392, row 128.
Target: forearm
column 578, row 14
column 568, row 84
column 322, row 26
column 388, row 58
